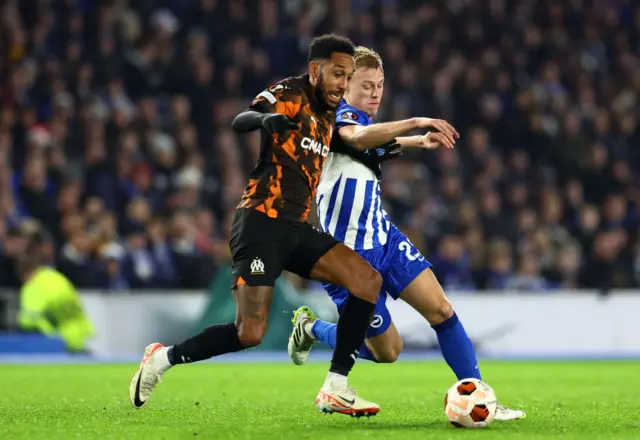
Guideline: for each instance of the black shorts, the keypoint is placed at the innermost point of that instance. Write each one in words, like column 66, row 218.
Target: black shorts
column 262, row 247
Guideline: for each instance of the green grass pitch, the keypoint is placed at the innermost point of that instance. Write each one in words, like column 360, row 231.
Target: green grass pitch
column 563, row 400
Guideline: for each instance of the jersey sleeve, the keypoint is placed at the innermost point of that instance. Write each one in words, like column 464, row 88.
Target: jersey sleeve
column 284, row 97
column 348, row 115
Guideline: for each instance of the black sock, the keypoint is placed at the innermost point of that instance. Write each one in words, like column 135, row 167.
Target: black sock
column 212, row 341
column 352, row 329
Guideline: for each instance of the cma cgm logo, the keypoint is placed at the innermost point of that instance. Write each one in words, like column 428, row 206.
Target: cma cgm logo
column 315, row 146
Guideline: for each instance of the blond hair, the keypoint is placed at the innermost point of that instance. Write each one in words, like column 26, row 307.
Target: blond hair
column 367, row 58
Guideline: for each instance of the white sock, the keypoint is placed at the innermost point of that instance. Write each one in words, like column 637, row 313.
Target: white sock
column 335, row 381
column 161, row 359
column 307, row 329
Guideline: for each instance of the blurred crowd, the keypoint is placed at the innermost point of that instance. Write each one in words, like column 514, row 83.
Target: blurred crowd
column 115, row 139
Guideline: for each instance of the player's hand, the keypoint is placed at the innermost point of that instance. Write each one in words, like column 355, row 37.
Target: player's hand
column 433, row 140
column 439, row 125
column 277, row 123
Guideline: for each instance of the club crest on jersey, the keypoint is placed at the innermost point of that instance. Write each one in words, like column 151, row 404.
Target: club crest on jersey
column 314, row 146
column 349, row 115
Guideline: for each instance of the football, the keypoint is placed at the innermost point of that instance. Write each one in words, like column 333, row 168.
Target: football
column 470, row 403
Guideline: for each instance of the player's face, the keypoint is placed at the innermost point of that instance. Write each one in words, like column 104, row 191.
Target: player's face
column 365, row 90
column 332, row 78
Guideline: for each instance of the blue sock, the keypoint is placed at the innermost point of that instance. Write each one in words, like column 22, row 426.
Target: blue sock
column 457, row 348
column 327, row 332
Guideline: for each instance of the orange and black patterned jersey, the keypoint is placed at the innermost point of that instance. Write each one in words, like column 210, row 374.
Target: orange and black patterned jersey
column 283, row 183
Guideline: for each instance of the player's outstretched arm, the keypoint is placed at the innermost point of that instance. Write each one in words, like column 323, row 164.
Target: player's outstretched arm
column 250, row 120
column 371, row 136
column 429, row 141
column 247, row 121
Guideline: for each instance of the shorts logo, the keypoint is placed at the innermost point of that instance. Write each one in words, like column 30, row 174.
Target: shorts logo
column 377, row 321
column 350, row 115
column 257, row 267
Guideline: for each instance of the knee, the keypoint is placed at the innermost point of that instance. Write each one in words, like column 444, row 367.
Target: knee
column 391, row 353
column 442, row 311
column 367, row 285
column 250, row 335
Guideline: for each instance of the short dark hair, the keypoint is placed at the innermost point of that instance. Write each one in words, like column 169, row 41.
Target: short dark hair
column 323, row 46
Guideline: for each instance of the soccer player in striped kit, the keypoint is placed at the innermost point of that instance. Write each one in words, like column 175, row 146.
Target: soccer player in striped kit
column 350, row 209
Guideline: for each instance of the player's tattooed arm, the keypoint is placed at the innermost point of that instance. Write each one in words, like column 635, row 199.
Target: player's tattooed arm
column 371, row 136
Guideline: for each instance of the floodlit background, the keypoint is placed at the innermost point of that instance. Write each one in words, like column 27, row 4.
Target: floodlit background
column 116, row 149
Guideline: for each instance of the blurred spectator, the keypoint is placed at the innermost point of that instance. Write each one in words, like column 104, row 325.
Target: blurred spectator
column 75, row 261
column 527, row 277
column 114, row 133
column 111, row 277
column 14, row 244
column 454, row 265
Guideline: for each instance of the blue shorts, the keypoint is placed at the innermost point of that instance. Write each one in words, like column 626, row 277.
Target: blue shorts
column 399, row 263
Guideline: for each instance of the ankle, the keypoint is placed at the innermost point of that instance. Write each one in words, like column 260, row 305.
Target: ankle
column 162, row 359
column 335, row 381
column 308, row 329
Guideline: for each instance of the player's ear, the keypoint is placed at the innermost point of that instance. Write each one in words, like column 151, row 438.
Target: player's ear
column 314, row 71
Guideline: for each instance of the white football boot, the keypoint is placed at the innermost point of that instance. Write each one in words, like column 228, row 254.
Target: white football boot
column 147, row 377
column 504, row 414
column 337, row 397
column 301, row 340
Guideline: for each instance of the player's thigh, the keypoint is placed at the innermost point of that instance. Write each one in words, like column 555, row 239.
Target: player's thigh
column 321, row 257
column 259, row 246
column 426, row 296
column 409, row 276
column 404, row 263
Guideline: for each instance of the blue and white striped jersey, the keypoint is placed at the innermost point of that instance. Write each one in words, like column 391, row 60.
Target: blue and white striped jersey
column 348, row 197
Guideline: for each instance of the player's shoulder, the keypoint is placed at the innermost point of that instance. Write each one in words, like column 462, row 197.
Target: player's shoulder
column 293, row 82
column 286, row 90
column 293, row 85
column 348, row 114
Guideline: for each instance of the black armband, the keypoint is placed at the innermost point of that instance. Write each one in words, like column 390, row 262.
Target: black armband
column 388, row 151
